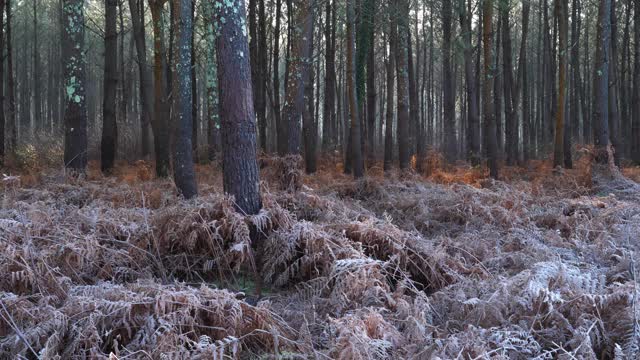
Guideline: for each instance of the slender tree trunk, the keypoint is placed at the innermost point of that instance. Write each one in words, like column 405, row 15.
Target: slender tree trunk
column 11, row 87
column 194, row 86
column 298, row 72
column 280, row 124
column 213, row 119
column 109, row 123
column 239, row 158
column 391, row 69
column 489, row 121
column 146, row 101
column 37, row 96
column 261, row 105
column 510, row 120
column 308, row 118
column 448, row 84
column 182, row 115
column 601, row 85
column 328, row 113
column 559, row 144
column 401, row 51
column 75, row 61
column 614, row 114
column 473, row 121
column 356, row 148
column 371, row 95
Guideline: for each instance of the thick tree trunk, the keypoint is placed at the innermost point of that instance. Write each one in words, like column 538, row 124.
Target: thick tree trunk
column 239, row 158
column 371, row 97
column 182, row 115
column 635, row 113
column 3, row 126
column 109, row 123
column 161, row 112
column 74, row 62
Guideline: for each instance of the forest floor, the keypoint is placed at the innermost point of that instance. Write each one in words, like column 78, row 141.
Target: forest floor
column 450, row 266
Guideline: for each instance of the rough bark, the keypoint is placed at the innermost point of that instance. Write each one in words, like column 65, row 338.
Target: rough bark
column 182, row 116
column 489, row 120
column 160, row 123
column 561, row 14
column 391, row 69
column 238, row 132
column 448, row 84
column 74, row 62
column 146, row 100
column 635, row 113
column 109, row 123
column 357, row 162
column 473, row 114
column 401, row 51
column 601, row 85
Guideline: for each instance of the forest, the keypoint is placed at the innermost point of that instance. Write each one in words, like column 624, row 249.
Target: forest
column 319, row 179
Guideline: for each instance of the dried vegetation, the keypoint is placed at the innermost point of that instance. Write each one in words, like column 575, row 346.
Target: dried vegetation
column 539, row 266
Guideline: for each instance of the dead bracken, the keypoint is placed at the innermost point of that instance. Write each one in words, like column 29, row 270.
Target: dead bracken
column 404, row 267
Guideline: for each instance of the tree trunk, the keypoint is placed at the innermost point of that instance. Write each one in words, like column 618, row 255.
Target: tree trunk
column 11, row 87
column 510, row 120
column 401, row 51
column 614, row 114
column 298, row 73
column 328, row 112
column 356, row 148
column 489, row 120
column 561, row 15
column 161, row 112
column 261, row 105
column 109, row 123
column 448, row 84
column 635, row 113
column 308, row 117
column 280, row 124
column 213, row 119
column 182, row 115
column 2, row 116
column 391, row 69
column 74, row 61
column 601, row 86
column 473, row 120
column 239, row 159
column 194, row 87
column 137, row 13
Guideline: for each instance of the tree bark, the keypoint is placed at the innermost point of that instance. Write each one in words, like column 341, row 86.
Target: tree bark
column 357, row 163
column 239, row 159
column 109, row 123
column 161, row 112
column 601, row 85
column 473, row 120
column 635, row 113
column 182, row 115
column 402, row 18
column 11, row 87
column 561, row 15
column 298, row 72
column 74, row 62
column 448, row 85
column 489, row 120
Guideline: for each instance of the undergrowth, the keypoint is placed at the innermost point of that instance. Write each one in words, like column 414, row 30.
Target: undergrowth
column 539, row 266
